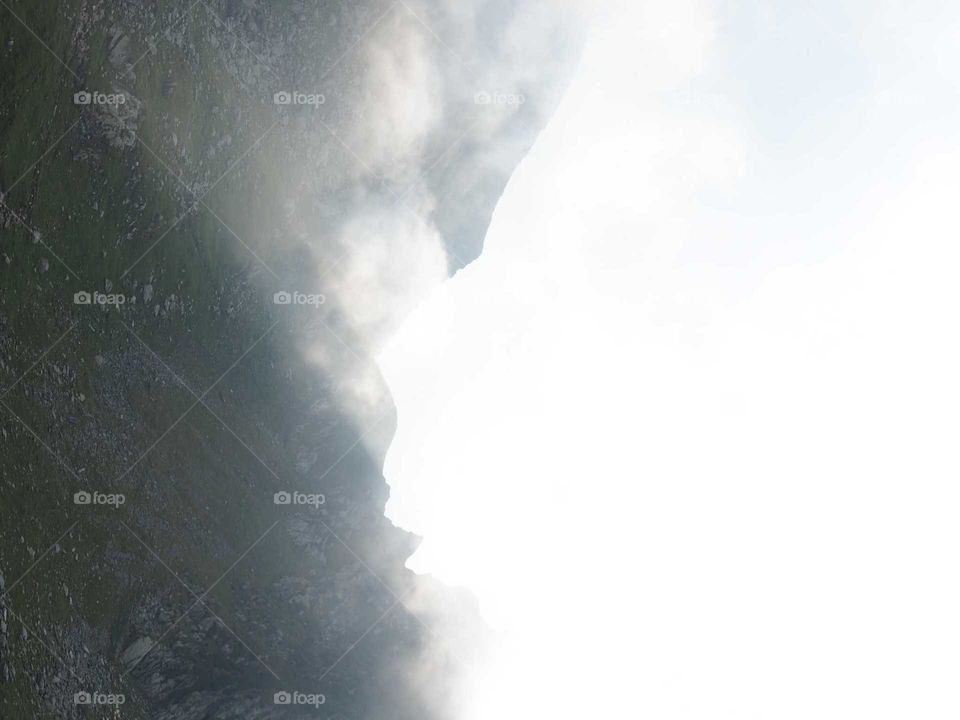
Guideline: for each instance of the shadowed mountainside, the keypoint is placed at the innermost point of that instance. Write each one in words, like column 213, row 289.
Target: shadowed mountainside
column 166, row 169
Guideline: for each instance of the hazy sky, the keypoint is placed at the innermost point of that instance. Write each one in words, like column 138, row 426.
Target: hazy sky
column 688, row 427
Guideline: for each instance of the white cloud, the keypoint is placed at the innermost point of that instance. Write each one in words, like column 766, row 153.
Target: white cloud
column 402, row 100
column 689, row 435
column 392, row 259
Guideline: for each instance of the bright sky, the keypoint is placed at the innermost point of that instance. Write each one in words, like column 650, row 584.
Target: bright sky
column 688, row 427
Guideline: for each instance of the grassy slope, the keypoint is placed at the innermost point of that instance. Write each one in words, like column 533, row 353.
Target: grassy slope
column 98, row 207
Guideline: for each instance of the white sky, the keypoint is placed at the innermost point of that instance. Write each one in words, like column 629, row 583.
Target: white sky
column 688, row 428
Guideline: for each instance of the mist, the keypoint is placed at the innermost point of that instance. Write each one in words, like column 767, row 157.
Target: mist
column 685, row 427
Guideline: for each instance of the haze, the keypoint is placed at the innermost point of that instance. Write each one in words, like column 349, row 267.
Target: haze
column 687, row 427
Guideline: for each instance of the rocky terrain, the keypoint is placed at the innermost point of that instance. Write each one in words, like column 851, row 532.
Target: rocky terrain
column 212, row 212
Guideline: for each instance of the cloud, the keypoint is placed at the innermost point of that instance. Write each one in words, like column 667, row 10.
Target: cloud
column 393, row 179
column 392, row 259
column 686, row 426
column 401, row 98
column 388, row 188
